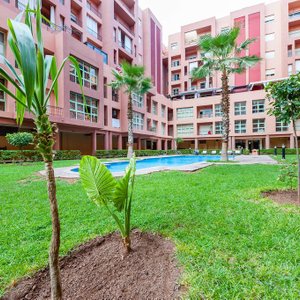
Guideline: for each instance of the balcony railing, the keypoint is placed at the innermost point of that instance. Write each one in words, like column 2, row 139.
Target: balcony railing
column 94, row 34
column 206, row 115
column 75, row 19
column 127, row 49
column 94, row 9
column 294, row 15
column 55, row 111
column 124, row 25
column 294, row 34
column 115, row 123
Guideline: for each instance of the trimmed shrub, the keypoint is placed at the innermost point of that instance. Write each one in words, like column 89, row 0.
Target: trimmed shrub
column 20, row 139
column 33, row 155
column 279, row 151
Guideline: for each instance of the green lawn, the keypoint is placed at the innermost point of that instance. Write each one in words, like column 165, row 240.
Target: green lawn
column 231, row 243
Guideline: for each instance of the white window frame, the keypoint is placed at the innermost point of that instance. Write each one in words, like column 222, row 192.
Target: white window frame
column 184, row 113
column 270, row 37
column 154, row 107
column 258, row 125
column 269, row 18
column 163, row 111
column 258, row 106
column 87, row 111
column 218, row 110
column 137, row 100
column 137, row 120
column 174, row 46
column 281, row 126
column 270, row 54
column 89, row 75
column 185, row 130
column 270, row 73
column 219, row 127
column 240, row 126
column 240, row 108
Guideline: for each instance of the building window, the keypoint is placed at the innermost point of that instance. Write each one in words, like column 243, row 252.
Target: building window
column 176, row 77
column 190, row 37
column 137, row 100
column 240, row 126
column 163, row 111
column 175, row 63
column 174, row 46
column 297, row 65
column 138, row 120
column 290, row 70
column 281, row 126
column 225, row 29
column 270, row 54
column 218, row 110
column 270, row 73
column 192, row 66
column 269, row 37
column 163, row 128
column 258, row 125
column 89, row 75
column 83, row 111
column 184, row 113
column 218, row 128
column 185, row 130
column 2, row 45
column 2, row 96
column 258, row 106
column 104, row 87
column 240, row 108
column 154, row 107
column 92, row 26
column 175, row 91
column 269, row 19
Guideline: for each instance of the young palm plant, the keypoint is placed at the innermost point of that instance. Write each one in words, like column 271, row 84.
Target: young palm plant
column 133, row 80
column 116, row 196
column 223, row 54
column 31, row 94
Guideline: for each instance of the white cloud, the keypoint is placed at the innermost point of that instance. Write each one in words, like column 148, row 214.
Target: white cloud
column 173, row 14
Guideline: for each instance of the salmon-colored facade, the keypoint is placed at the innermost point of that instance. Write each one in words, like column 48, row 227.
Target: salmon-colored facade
column 276, row 28
column 102, row 33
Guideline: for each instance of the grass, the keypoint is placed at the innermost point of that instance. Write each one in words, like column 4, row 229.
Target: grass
column 231, row 243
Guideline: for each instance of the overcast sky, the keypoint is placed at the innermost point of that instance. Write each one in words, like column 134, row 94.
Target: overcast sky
column 174, row 13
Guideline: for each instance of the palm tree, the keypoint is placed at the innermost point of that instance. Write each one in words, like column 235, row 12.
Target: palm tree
column 133, row 80
column 31, row 94
column 223, row 54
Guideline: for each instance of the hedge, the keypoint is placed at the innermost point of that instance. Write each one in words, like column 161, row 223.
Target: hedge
column 279, row 151
column 33, row 155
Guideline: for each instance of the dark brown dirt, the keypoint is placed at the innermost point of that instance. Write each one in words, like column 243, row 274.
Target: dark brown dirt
column 282, row 197
column 97, row 270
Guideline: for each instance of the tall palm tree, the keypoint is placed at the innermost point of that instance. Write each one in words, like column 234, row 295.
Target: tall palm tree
column 222, row 54
column 133, row 80
column 31, row 94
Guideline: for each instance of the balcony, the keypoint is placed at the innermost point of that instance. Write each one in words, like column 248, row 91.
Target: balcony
column 124, row 24
column 125, row 47
column 94, row 9
column 115, row 123
column 75, row 18
column 94, row 34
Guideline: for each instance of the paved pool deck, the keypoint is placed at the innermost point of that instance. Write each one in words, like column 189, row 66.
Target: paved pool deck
column 66, row 172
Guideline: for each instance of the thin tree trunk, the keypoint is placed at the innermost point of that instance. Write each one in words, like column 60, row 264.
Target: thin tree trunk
column 130, row 128
column 225, row 116
column 127, row 244
column 45, row 142
column 298, row 158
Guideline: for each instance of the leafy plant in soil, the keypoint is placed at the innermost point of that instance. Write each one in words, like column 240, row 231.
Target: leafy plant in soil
column 115, row 195
column 288, row 174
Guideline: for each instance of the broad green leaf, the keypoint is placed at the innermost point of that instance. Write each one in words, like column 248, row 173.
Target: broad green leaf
column 121, row 192
column 25, row 43
column 96, row 179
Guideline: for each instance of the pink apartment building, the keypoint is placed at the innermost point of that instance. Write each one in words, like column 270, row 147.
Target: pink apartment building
column 196, row 105
column 102, row 33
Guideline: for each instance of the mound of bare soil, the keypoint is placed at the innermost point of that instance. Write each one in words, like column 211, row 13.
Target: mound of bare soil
column 283, row 197
column 98, row 269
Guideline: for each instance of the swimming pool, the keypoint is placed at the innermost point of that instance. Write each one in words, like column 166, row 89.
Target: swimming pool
column 165, row 161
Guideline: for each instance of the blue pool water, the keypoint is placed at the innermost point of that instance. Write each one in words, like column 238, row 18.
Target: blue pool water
column 166, row 161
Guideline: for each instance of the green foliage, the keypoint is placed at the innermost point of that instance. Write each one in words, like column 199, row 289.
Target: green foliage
column 243, row 247
column 102, row 188
column 284, row 97
column 223, row 53
column 132, row 78
column 20, row 139
column 279, row 151
column 34, row 155
column 288, row 174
